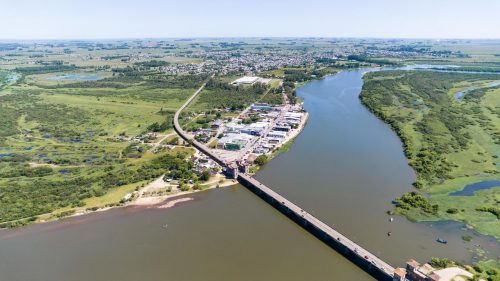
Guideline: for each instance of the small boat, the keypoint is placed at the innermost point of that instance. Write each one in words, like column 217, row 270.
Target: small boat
column 389, row 233
column 391, row 219
column 442, row 241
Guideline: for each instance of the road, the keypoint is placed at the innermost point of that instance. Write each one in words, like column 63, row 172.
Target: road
column 250, row 146
column 332, row 233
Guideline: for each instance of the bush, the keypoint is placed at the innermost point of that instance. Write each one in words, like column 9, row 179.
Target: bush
column 184, row 187
column 441, row 263
column 205, row 175
column 261, row 160
column 416, row 200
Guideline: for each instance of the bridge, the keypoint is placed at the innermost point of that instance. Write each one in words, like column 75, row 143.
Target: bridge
column 343, row 245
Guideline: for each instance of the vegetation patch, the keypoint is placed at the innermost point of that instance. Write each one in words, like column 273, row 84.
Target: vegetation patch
column 67, row 145
column 450, row 142
column 222, row 95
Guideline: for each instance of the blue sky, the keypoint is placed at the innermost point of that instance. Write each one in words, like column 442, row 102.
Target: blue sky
column 74, row 19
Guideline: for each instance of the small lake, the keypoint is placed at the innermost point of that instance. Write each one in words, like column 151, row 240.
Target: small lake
column 460, row 94
column 471, row 188
column 81, row 77
column 12, row 77
column 7, row 155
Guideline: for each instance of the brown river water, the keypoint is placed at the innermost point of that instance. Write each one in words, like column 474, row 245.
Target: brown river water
column 345, row 168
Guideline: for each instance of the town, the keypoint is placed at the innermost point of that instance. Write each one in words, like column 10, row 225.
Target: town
column 258, row 130
column 331, row 157
column 250, row 139
column 414, row 271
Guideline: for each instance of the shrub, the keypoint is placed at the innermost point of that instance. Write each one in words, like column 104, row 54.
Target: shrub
column 261, row 160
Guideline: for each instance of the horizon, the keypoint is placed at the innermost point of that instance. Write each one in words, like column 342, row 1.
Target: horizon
column 154, row 19
column 259, row 140
column 243, row 37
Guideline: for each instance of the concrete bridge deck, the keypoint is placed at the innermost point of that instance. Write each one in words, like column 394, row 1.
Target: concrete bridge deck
column 362, row 257
column 357, row 254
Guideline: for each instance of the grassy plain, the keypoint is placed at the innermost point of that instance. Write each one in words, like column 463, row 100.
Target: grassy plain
column 65, row 144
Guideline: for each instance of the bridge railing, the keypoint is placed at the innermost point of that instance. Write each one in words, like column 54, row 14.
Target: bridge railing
column 320, row 225
column 333, row 234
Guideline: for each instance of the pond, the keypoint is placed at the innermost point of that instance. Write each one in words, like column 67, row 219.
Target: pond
column 81, row 77
column 471, row 188
column 460, row 94
column 7, row 155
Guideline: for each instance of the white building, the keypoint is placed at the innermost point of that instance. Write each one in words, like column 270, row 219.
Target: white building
column 245, row 80
column 276, row 135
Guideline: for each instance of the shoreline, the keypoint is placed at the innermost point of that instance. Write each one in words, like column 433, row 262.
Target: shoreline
column 160, row 202
column 150, row 202
column 416, row 215
column 284, row 146
column 157, row 200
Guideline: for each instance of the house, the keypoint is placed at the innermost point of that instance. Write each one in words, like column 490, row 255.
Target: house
column 233, row 142
column 255, row 129
column 217, row 124
column 277, row 134
column 272, row 114
column 260, row 150
column 261, row 107
column 234, row 128
column 272, row 140
column 399, row 274
column 235, row 145
column 416, row 272
column 203, row 160
column 295, row 116
column 252, row 131
column 282, row 128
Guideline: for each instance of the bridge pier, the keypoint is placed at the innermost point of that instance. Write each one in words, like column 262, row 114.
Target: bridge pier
column 326, row 234
column 380, row 270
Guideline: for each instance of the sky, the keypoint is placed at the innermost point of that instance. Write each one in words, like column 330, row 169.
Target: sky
column 106, row 19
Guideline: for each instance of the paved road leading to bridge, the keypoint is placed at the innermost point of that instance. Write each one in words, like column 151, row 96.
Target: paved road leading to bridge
column 332, row 233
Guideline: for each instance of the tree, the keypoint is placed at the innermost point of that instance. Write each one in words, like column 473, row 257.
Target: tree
column 205, row 175
column 261, row 160
column 174, row 141
column 183, row 187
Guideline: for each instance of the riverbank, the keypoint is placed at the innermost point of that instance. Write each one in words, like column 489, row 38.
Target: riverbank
column 285, row 145
column 163, row 201
column 146, row 196
column 125, row 196
column 449, row 143
column 344, row 168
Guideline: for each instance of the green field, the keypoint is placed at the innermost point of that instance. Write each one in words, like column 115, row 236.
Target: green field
column 219, row 94
column 63, row 144
column 449, row 142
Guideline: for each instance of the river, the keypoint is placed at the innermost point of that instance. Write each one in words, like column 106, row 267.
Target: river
column 345, row 168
